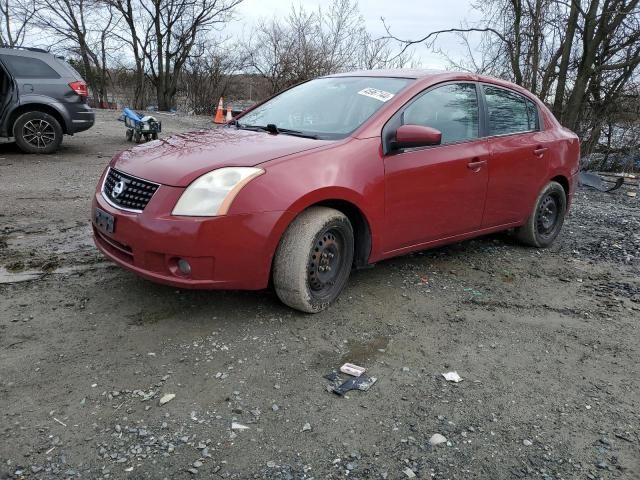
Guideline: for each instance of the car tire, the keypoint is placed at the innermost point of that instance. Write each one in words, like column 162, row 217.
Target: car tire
column 37, row 132
column 313, row 259
column 545, row 222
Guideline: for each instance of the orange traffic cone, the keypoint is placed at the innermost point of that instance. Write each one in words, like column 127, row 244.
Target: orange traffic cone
column 229, row 115
column 219, row 118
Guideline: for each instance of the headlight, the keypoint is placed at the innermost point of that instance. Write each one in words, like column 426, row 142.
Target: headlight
column 212, row 193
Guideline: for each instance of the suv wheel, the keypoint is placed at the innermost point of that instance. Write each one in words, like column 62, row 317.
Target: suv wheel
column 313, row 260
column 37, row 132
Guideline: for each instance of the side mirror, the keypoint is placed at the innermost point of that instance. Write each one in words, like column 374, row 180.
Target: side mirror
column 411, row 136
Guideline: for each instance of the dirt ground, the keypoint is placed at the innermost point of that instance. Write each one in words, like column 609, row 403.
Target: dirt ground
column 547, row 344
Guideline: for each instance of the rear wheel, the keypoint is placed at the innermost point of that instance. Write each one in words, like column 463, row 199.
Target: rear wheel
column 547, row 217
column 37, row 132
column 313, row 260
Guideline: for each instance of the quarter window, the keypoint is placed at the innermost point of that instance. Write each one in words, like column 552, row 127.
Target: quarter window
column 25, row 67
column 507, row 111
column 532, row 111
column 452, row 109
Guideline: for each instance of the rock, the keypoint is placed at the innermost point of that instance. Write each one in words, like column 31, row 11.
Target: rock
column 527, row 443
column 192, row 471
column 197, row 464
column 275, row 407
column 271, row 464
column 437, row 439
column 166, row 398
column 409, row 473
column 306, row 427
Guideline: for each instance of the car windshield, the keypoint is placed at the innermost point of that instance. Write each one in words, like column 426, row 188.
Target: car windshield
column 326, row 108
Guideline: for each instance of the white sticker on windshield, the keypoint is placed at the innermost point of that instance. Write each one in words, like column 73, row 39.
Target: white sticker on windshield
column 380, row 95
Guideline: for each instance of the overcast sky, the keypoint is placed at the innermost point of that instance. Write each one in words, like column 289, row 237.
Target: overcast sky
column 408, row 19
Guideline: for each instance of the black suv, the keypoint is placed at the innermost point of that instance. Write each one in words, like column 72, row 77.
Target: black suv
column 42, row 97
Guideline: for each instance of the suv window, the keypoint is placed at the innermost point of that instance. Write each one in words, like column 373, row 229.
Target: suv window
column 452, row 109
column 507, row 111
column 26, row 67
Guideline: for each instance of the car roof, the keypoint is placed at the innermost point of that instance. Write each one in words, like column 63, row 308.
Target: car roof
column 26, row 52
column 432, row 76
column 394, row 73
column 64, row 69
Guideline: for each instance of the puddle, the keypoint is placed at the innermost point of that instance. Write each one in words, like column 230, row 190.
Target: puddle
column 7, row 276
column 362, row 352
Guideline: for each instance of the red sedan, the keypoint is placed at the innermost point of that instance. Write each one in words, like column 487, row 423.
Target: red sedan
column 336, row 173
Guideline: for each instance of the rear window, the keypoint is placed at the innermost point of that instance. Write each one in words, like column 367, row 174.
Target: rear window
column 26, row 67
column 69, row 67
column 507, row 111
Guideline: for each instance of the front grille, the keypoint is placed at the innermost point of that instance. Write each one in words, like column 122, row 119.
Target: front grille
column 125, row 191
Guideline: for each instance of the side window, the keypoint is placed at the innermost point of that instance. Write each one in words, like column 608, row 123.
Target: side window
column 507, row 111
column 25, row 67
column 451, row 109
column 532, row 111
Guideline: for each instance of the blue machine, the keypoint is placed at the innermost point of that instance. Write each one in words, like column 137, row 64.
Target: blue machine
column 139, row 126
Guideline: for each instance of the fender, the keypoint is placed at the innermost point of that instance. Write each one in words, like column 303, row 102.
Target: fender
column 25, row 101
column 323, row 196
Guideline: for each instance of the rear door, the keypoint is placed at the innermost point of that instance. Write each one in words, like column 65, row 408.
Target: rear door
column 518, row 163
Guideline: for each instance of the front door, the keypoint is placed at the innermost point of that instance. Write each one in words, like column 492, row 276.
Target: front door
column 437, row 192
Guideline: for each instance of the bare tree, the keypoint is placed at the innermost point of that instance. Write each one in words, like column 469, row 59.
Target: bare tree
column 307, row 44
column 136, row 36
column 207, row 76
column 578, row 56
column 162, row 34
column 83, row 27
column 15, row 18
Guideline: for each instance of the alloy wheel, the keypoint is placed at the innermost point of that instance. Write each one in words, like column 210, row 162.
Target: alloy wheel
column 38, row 133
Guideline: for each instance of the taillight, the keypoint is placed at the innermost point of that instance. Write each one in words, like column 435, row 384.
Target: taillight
column 80, row 88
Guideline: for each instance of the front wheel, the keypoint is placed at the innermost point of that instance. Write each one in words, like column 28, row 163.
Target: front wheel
column 37, row 132
column 545, row 222
column 313, row 260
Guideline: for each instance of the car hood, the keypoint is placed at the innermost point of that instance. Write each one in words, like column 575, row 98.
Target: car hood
column 179, row 159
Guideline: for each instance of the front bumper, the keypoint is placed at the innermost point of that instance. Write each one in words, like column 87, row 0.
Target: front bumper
column 227, row 252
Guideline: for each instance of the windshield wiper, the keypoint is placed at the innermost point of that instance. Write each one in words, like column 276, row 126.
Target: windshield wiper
column 270, row 127
column 273, row 129
column 297, row 133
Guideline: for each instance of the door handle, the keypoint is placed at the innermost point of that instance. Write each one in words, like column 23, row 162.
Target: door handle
column 476, row 165
column 539, row 151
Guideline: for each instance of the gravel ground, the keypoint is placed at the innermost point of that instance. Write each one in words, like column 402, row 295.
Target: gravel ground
column 546, row 343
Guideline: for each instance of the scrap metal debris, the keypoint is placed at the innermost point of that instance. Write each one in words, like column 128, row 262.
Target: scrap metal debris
column 592, row 180
column 362, row 383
